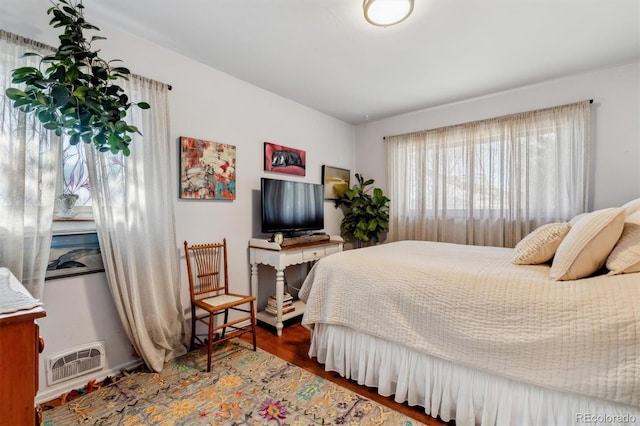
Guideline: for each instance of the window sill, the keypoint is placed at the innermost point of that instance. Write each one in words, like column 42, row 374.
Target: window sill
column 73, row 219
column 73, row 226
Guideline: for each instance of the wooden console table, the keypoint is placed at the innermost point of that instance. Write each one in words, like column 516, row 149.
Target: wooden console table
column 269, row 253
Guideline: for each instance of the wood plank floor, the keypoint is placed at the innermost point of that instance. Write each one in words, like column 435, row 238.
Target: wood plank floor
column 293, row 346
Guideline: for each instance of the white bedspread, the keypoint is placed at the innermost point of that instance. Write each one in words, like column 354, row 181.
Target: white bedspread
column 472, row 306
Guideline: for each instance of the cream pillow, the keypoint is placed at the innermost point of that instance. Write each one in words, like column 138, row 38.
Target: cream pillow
column 625, row 256
column 585, row 248
column 633, row 218
column 576, row 218
column 632, row 206
column 541, row 244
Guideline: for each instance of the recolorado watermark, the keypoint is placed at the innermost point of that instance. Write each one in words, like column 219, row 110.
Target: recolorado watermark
column 606, row 418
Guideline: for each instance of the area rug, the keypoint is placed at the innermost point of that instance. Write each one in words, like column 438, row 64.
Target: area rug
column 243, row 388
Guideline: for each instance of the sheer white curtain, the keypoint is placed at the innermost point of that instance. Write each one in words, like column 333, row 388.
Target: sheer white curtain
column 29, row 160
column 489, row 182
column 134, row 214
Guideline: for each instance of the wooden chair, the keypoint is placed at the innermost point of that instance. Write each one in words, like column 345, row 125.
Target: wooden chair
column 210, row 297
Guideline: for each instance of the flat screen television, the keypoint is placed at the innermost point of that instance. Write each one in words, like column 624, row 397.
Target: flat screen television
column 293, row 208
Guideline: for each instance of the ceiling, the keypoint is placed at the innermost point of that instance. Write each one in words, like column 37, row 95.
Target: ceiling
column 323, row 54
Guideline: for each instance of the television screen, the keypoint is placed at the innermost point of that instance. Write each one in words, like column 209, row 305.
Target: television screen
column 291, row 207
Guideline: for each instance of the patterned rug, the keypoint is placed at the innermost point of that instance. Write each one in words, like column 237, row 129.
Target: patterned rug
column 243, row 388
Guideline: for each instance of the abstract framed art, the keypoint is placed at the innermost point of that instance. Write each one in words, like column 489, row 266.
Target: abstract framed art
column 207, row 170
column 335, row 180
column 282, row 159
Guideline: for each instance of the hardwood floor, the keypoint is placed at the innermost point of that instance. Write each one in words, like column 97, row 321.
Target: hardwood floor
column 293, row 347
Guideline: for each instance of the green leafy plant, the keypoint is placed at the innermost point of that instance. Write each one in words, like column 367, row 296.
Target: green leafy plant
column 73, row 92
column 366, row 212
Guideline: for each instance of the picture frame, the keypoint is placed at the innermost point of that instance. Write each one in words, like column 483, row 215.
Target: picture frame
column 283, row 159
column 332, row 176
column 74, row 254
column 207, row 170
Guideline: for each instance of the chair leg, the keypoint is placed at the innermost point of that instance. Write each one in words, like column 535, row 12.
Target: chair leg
column 210, row 343
column 193, row 328
column 226, row 319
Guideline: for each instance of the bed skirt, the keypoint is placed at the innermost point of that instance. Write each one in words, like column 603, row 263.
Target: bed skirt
column 451, row 391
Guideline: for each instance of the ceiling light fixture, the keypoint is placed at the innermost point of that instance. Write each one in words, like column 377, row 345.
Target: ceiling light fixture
column 387, row 12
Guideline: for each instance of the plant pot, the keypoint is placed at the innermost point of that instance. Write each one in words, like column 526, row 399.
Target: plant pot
column 66, row 204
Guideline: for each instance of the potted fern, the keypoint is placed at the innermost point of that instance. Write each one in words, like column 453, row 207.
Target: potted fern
column 366, row 212
column 73, row 92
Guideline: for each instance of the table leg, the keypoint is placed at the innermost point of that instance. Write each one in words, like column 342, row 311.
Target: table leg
column 279, row 297
column 254, row 285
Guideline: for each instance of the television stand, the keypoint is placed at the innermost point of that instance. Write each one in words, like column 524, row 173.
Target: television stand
column 279, row 257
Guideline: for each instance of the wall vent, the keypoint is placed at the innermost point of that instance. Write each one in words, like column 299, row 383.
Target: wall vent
column 75, row 362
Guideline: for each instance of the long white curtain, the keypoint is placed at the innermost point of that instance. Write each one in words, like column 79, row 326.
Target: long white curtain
column 134, row 214
column 489, row 182
column 29, row 160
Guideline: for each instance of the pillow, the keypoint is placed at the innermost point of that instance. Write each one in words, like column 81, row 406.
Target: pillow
column 632, row 206
column 586, row 247
column 625, row 256
column 633, row 218
column 576, row 218
column 541, row 244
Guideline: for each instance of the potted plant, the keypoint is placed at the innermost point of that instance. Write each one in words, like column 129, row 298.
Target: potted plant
column 74, row 92
column 366, row 212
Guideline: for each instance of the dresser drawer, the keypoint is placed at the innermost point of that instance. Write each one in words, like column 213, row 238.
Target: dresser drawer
column 313, row 253
column 332, row 249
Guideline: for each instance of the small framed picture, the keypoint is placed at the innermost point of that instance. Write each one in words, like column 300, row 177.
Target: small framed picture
column 282, row 159
column 336, row 181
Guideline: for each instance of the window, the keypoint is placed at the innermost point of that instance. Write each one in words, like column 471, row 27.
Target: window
column 489, row 182
column 75, row 176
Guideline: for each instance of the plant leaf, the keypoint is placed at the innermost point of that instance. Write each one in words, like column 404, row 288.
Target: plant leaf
column 15, row 94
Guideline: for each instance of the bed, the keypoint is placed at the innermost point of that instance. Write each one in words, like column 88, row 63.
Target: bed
column 467, row 334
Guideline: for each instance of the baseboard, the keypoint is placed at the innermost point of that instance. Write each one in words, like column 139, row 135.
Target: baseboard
column 54, row 392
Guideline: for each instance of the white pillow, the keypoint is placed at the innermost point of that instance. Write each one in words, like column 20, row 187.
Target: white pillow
column 586, row 247
column 625, row 256
column 632, row 206
column 541, row 244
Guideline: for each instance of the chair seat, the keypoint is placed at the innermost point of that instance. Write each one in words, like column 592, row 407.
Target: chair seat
column 222, row 299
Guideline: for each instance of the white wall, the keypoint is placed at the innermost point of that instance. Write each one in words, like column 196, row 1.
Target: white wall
column 615, row 126
column 80, row 311
column 205, row 104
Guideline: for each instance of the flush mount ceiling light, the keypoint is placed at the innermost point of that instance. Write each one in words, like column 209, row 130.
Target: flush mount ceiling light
column 387, row 12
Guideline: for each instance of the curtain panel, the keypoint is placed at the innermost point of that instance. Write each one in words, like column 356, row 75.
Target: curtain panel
column 132, row 208
column 490, row 182
column 134, row 214
column 29, row 162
